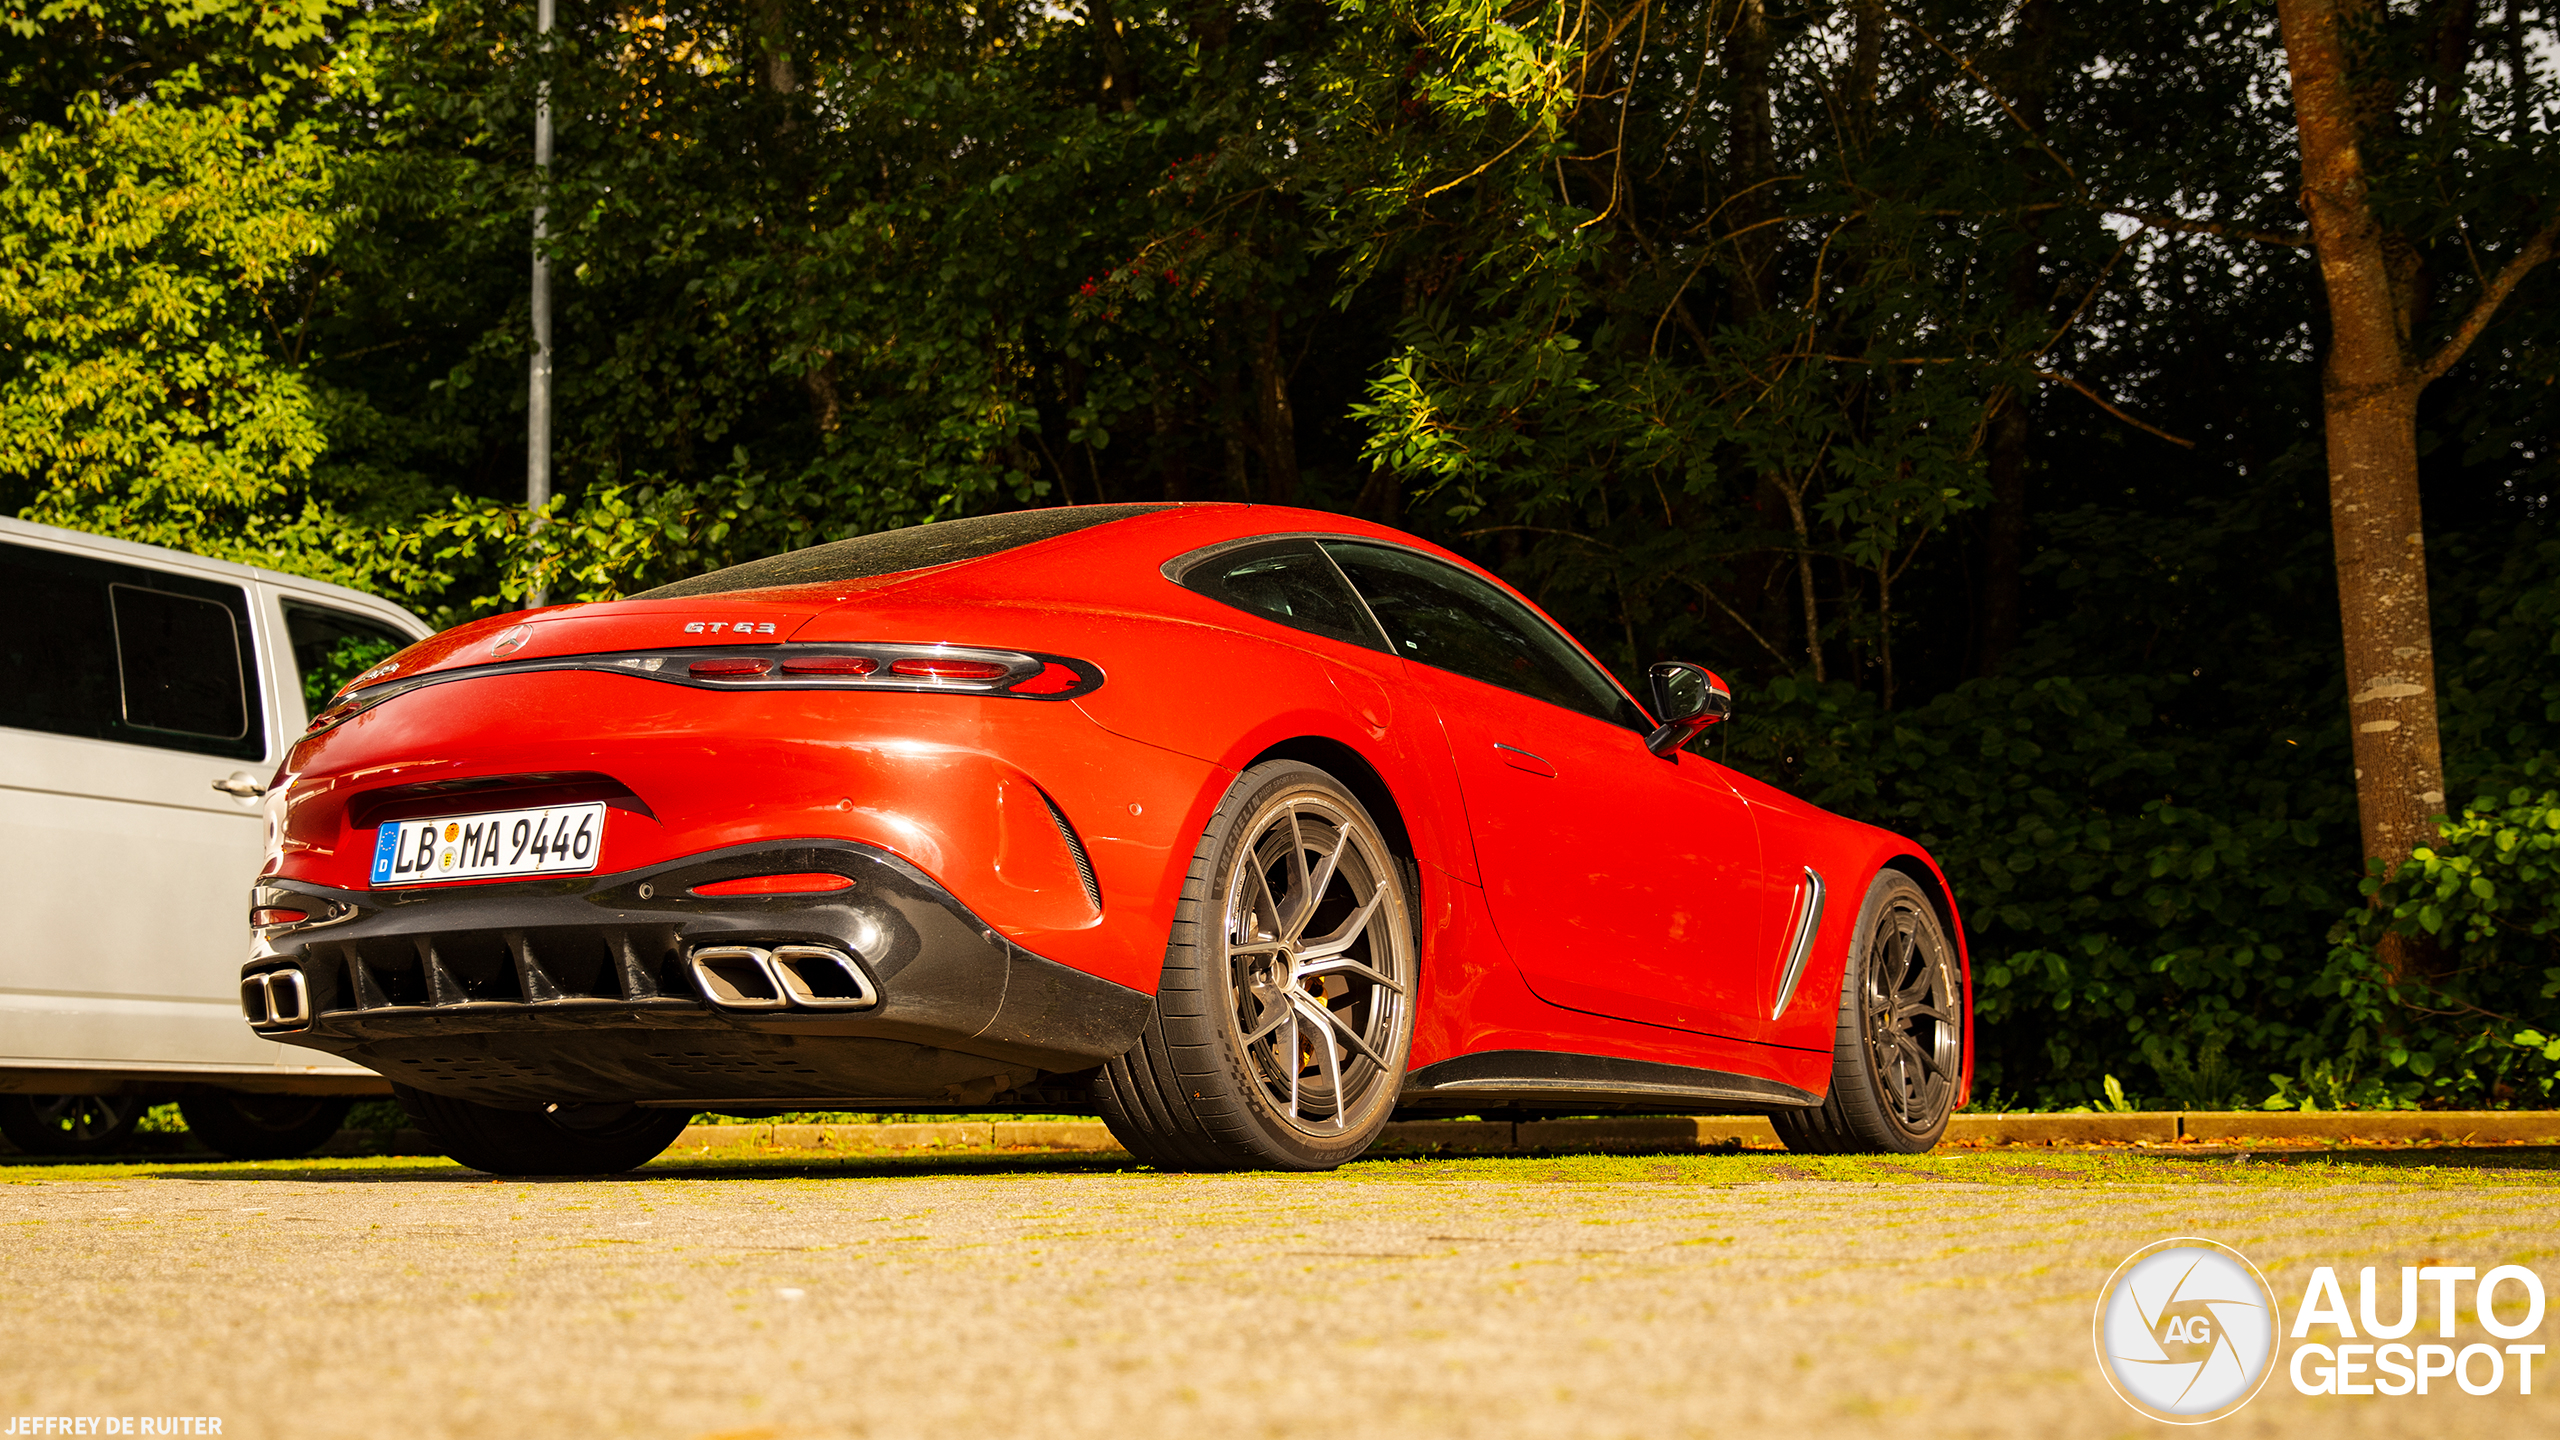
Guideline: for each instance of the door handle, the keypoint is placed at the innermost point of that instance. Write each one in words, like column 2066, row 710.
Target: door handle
column 242, row 784
column 1519, row 759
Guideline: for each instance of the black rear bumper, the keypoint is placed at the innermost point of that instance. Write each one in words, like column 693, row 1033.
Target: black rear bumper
column 579, row 988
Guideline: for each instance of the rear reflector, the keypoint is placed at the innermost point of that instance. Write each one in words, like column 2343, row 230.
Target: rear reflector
column 813, row 883
column 938, row 668
column 727, row 665
column 828, row 665
column 1053, row 679
column 278, row 917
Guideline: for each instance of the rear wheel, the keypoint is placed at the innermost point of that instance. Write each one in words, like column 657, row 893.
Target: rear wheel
column 1286, row 1010
column 264, row 1127
column 1898, row 1054
column 560, row 1140
column 69, row 1124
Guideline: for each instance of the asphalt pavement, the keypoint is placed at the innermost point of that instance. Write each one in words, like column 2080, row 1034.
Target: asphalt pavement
column 1062, row 1297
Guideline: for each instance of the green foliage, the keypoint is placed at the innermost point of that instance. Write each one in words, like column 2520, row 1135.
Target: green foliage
column 2112, row 921
column 159, row 252
column 2446, row 981
column 2327, row 1084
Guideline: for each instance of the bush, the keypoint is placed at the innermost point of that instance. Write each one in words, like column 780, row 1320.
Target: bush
column 2446, row 979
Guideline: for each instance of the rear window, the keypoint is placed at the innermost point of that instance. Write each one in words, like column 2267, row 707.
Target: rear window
column 332, row 647
column 123, row 652
column 917, row 547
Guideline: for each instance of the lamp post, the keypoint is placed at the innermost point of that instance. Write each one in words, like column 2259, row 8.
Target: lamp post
column 537, row 407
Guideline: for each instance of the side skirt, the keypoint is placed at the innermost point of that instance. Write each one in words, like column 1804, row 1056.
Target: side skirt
column 1549, row 1079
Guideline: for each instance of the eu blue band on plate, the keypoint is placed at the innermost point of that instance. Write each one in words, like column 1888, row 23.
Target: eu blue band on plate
column 383, row 850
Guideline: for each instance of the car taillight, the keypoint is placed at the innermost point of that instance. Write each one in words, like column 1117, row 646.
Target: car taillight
column 861, row 665
column 799, row 665
column 812, row 883
column 940, row 668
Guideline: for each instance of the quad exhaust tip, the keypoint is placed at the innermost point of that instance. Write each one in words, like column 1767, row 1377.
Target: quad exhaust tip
column 810, row 977
column 276, row 999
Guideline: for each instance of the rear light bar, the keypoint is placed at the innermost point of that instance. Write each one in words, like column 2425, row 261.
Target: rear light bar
column 801, row 883
column 923, row 669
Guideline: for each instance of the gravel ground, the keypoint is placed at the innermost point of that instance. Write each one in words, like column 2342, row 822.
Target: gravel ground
column 1062, row 1297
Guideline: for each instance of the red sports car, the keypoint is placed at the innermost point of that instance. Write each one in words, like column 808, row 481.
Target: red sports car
column 1246, row 828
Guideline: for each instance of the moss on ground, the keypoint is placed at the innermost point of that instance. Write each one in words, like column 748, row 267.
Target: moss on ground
column 2446, row 1166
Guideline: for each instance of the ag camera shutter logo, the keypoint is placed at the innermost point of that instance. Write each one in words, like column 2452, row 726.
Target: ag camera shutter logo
column 2186, row 1330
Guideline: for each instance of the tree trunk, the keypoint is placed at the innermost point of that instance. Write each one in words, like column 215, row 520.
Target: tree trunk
column 1119, row 76
column 1279, row 429
column 2029, row 67
column 1750, row 160
column 2369, row 405
column 2004, row 559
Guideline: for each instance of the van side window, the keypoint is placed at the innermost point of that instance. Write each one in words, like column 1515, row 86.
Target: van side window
column 57, row 671
column 180, row 662
column 125, row 652
column 332, row 647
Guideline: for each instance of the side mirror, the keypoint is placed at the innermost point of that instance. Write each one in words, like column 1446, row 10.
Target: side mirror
column 1688, row 698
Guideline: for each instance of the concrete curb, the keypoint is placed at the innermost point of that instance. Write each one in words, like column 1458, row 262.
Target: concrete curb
column 1703, row 1132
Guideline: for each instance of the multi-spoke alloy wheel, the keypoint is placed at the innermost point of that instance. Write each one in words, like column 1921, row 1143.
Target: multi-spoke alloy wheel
column 69, row 1124
column 1898, row 1054
column 1287, row 1004
column 1915, row 1039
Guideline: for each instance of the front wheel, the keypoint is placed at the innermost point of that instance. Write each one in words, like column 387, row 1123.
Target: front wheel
column 1897, row 1057
column 558, row 1140
column 1286, row 1010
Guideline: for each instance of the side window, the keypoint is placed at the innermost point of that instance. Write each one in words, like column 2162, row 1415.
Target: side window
column 179, row 660
column 332, row 647
column 1288, row 582
column 1446, row 618
column 122, row 652
column 57, row 654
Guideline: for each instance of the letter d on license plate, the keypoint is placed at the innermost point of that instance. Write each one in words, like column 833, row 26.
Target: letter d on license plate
column 565, row 839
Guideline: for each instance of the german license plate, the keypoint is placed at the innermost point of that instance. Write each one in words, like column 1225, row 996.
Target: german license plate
column 564, row 839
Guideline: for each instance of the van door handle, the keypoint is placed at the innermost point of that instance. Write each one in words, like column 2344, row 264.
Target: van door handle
column 242, row 784
column 1519, row 759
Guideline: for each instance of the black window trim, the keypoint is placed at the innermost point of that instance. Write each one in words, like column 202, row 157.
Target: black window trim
column 1179, row 569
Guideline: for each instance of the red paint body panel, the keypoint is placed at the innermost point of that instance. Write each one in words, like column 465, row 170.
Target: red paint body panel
column 1687, row 857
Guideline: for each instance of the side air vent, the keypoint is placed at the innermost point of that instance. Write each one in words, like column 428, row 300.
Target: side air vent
column 1075, row 849
column 1807, row 920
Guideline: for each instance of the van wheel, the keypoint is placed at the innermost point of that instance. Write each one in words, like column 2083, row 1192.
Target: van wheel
column 69, row 1124
column 562, row 1140
column 1281, row 1027
column 263, row 1127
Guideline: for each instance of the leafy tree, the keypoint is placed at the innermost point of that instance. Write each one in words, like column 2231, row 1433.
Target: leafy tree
column 2403, row 165
column 163, row 227
column 1949, row 374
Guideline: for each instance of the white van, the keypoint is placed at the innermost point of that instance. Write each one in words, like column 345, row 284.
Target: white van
column 146, row 699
